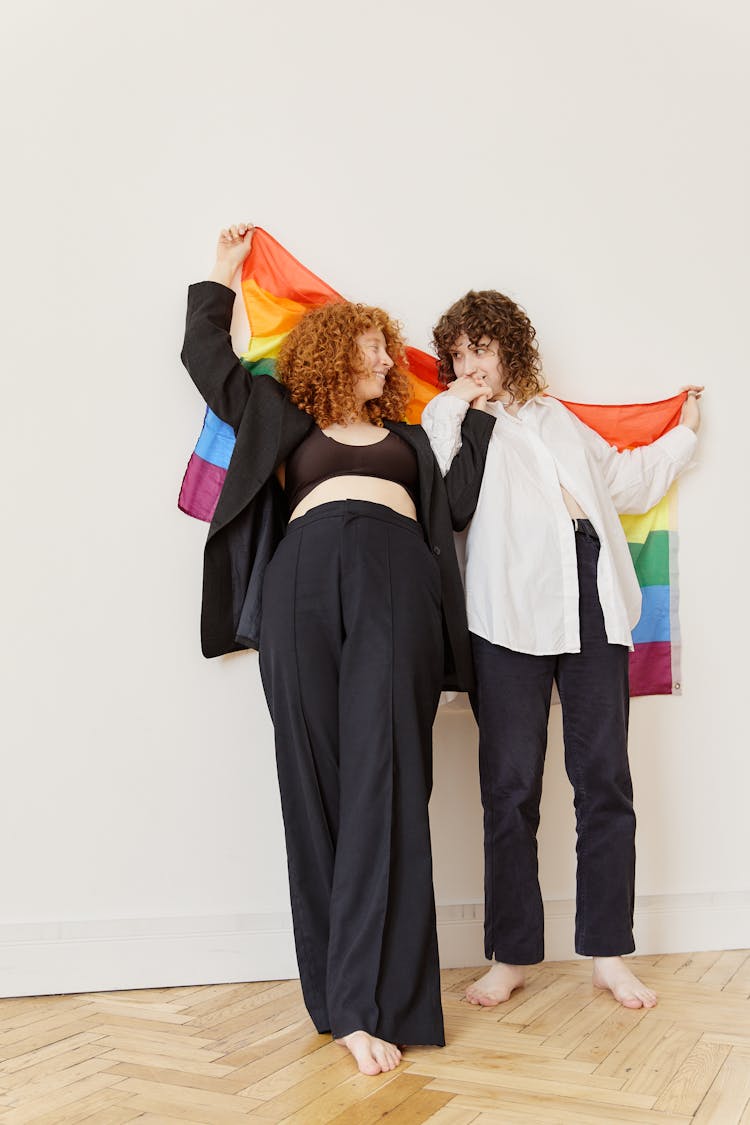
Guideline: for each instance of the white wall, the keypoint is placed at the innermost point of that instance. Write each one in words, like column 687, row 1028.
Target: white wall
column 586, row 157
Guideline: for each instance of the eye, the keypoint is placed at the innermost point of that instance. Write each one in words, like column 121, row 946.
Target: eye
column 479, row 350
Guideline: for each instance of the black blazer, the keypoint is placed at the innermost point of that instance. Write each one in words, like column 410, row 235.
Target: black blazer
column 252, row 512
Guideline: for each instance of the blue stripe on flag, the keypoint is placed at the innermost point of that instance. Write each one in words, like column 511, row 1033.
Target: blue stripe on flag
column 654, row 621
column 216, row 442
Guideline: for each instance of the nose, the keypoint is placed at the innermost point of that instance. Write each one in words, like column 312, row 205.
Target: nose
column 465, row 364
column 385, row 359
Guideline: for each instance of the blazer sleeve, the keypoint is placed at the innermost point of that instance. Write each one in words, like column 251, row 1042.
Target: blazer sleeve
column 208, row 355
column 464, row 477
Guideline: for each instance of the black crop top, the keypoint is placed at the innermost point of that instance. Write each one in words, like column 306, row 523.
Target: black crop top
column 320, row 457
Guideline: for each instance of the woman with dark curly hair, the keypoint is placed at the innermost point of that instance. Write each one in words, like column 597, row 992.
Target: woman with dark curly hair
column 331, row 551
column 551, row 595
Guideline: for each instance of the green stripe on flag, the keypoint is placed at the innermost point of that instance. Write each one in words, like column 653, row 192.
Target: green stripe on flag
column 651, row 559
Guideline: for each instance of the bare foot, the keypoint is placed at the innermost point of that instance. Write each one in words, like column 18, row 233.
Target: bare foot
column 613, row 973
column 373, row 1056
column 496, row 985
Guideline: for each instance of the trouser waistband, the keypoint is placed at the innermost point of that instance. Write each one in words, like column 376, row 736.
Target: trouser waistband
column 585, row 528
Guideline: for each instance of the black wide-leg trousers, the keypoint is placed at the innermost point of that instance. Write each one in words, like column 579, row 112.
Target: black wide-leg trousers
column 351, row 656
column 511, row 704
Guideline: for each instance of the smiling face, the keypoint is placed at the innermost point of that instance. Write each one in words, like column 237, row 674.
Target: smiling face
column 377, row 364
column 482, row 359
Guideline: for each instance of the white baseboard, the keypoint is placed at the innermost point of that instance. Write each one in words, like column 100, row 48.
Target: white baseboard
column 662, row 924
column 93, row 956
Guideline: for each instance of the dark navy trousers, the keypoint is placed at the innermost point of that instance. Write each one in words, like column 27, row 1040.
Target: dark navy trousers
column 511, row 704
column 351, row 655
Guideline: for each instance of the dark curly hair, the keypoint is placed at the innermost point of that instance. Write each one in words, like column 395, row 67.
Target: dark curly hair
column 320, row 361
column 489, row 313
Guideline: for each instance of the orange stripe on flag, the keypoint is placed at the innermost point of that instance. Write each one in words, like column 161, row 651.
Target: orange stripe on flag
column 634, row 424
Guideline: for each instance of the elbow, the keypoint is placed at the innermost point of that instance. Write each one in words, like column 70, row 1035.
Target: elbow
column 461, row 509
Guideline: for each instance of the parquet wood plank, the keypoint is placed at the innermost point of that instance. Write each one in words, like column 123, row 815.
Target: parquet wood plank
column 340, row 1099
column 663, row 1062
column 92, row 1108
column 271, row 1041
column 41, row 1054
column 164, row 1119
column 160, row 1013
column 600, row 1042
column 38, row 1014
column 114, row 1115
column 446, row 1075
column 213, row 997
column 510, row 1061
column 696, row 966
column 471, row 1095
column 672, row 963
column 635, row 1048
column 166, row 1062
column 163, row 1106
column 59, row 1062
column 380, row 1104
column 572, row 1033
column 44, row 1031
column 729, row 1040
column 739, row 984
column 724, row 968
column 550, row 1021
column 280, row 995
column 170, row 1077
column 111, row 1023
column 417, row 1109
column 57, row 1080
column 471, row 1041
column 275, row 1084
column 34, row 1109
column 490, row 1039
column 173, row 1046
column 729, row 1094
column 186, row 1096
column 315, row 1086
column 453, row 1115
column 278, row 1056
column 689, row 1084
column 485, row 1019
column 542, row 1001
column 241, row 1030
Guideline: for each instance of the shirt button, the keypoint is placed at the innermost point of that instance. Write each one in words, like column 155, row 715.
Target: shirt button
column 436, row 551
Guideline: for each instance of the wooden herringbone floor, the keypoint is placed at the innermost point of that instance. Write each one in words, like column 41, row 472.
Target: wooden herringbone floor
column 557, row 1052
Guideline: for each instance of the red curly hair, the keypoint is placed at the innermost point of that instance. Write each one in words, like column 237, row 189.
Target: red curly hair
column 486, row 312
column 320, row 361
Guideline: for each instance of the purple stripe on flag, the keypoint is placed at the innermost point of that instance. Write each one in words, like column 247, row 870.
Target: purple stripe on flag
column 651, row 669
column 200, row 490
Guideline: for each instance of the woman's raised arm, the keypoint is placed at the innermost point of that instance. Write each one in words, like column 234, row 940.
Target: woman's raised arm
column 207, row 352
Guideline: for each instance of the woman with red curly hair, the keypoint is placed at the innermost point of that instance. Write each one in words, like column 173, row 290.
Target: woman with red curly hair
column 331, row 551
column 552, row 596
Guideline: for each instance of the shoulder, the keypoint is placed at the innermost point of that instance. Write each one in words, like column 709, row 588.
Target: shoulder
column 411, row 432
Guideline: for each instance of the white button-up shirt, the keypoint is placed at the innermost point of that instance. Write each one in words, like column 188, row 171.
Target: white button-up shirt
column 521, row 573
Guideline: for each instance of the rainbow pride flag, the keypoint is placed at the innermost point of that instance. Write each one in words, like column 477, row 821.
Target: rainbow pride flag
column 278, row 290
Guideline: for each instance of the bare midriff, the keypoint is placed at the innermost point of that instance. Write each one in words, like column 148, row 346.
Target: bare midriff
column 575, row 511
column 377, row 491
